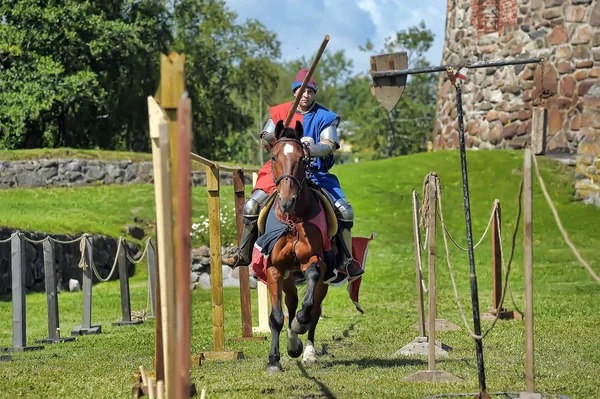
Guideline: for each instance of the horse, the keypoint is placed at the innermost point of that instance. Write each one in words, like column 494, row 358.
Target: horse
column 299, row 250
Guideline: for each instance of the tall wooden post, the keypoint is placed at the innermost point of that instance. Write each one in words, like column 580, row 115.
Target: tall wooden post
column 216, row 264
column 431, row 374
column 183, row 220
column 165, row 323
column 263, row 296
column 528, row 272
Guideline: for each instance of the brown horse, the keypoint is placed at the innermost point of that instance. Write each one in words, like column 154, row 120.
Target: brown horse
column 298, row 250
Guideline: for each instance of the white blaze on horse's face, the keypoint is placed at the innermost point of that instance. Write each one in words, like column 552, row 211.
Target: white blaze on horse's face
column 288, row 149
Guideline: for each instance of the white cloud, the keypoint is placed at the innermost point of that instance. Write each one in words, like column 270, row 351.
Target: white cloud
column 301, row 24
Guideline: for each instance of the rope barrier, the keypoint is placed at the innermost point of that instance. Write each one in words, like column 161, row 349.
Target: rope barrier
column 560, row 226
column 114, row 266
column 482, row 237
column 9, row 238
column 456, row 296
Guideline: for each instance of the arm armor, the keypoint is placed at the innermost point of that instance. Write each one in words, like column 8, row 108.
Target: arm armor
column 267, row 137
column 328, row 143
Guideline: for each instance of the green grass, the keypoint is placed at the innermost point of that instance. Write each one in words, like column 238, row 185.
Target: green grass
column 359, row 359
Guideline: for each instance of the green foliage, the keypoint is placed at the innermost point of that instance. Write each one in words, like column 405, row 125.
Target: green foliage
column 357, row 352
column 77, row 73
column 225, row 62
column 74, row 73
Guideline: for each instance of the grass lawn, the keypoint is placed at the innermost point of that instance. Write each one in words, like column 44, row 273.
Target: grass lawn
column 357, row 351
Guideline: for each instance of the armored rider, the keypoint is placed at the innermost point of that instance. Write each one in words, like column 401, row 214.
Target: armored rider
column 320, row 133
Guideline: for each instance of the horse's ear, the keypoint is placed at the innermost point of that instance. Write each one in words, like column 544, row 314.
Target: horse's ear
column 299, row 130
column 279, row 129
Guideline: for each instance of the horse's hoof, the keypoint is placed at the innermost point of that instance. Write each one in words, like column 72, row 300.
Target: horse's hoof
column 274, row 367
column 299, row 328
column 310, row 354
column 299, row 348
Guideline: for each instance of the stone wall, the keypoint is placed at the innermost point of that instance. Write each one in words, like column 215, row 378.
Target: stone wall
column 66, row 256
column 76, row 173
column 497, row 102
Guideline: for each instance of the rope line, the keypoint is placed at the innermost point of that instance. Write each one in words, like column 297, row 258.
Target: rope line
column 9, row 238
column 135, row 262
column 114, row 266
column 456, row 296
column 482, row 237
column 559, row 223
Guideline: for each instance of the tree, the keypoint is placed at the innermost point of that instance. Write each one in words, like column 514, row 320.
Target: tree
column 226, row 67
column 408, row 125
column 74, row 73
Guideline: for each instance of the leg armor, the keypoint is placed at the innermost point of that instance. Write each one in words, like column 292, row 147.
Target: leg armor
column 346, row 221
column 250, row 231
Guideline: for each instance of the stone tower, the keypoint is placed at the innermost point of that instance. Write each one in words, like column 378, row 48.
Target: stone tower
column 497, row 102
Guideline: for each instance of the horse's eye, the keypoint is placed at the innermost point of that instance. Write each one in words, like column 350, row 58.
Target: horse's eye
column 273, row 159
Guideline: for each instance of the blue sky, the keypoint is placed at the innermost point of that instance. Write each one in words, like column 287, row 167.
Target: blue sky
column 300, row 25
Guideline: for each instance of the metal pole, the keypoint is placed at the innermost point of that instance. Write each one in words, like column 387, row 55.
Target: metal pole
column 528, row 273
column 467, row 207
column 442, row 68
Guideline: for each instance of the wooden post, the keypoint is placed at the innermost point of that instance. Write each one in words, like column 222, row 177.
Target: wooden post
column 19, row 313
column 86, row 326
column 216, row 271
column 431, row 228
column 244, row 273
column 165, row 324
column 51, row 296
column 183, row 220
column 528, row 264
column 539, row 123
column 497, row 287
column 216, row 264
column 431, row 374
column 418, row 264
column 263, row 296
column 124, row 285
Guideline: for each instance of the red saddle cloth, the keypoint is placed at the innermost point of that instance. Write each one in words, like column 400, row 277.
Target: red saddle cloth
column 262, row 261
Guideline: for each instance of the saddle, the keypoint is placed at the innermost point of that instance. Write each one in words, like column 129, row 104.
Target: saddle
column 323, row 198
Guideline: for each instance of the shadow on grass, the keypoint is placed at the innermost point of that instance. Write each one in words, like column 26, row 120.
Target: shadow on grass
column 376, row 362
column 324, row 389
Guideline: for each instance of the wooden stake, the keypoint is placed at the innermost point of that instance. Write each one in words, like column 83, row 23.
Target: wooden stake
column 164, row 234
column 418, row 264
column 431, row 228
column 216, row 264
column 183, row 220
column 528, row 273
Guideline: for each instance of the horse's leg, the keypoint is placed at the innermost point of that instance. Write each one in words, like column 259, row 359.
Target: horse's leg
column 301, row 322
column 275, row 284
column 310, row 354
column 294, row 344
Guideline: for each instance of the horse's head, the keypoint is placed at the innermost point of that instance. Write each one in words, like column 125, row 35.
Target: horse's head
column 289, row 167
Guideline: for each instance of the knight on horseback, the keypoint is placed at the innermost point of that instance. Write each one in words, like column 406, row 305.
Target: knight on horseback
column 320, row 141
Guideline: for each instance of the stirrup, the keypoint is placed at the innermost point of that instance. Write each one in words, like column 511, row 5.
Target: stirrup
column 353, row 269
column 234, row 261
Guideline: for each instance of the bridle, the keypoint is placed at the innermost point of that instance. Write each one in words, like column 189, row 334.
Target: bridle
column 300, row 183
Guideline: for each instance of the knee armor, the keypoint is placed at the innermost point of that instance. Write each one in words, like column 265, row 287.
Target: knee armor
column 345, row 212
column 253, row 204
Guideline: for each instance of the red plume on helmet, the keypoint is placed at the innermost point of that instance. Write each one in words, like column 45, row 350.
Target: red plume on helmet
column 300, row 78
